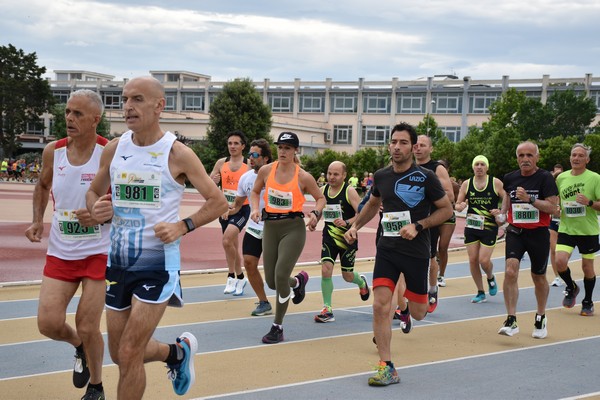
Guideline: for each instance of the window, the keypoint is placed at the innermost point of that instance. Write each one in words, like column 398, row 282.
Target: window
column 35, row 128
column 342, row 134
column 343, row 103
column 280, row 102
column 172, row 77
column 112, row 101
column 376, row 103
column 480, row 102
column 312, row 102
column 61, row 97
column 411, row 103
column 170, row 101
column 62, row 77
column 447, row 103
column 451, row 132
column 192, row 101
column 375, row 135
column 76, row 76
column 534, row 95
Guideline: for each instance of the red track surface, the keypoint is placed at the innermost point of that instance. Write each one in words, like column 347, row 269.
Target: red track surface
column 21, row 260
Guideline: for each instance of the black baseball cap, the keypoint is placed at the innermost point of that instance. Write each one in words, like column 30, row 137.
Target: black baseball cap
column 288, row 138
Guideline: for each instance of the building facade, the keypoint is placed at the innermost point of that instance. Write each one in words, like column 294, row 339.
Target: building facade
column 341, row 115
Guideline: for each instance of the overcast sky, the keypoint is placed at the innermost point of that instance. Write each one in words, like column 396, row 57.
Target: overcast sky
column 312, row 40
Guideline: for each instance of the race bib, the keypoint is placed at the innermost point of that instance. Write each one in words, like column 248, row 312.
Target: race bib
column 573, row 209
column 70, row 228
column 392, row 222
column 280, row 200
column 475, row 221
column 137, row 189
column 523, row 213
column 331, row 212
column 257, row 233
column 229, row 195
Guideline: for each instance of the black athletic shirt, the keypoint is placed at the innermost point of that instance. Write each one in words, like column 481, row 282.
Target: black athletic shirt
column 413, row 190
column 540, row 185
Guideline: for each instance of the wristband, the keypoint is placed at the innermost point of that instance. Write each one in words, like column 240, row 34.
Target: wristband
column 317, row 213
column 591, row 203
column 189, row 224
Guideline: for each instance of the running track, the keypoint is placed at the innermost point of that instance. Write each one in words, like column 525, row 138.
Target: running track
column 454, row 354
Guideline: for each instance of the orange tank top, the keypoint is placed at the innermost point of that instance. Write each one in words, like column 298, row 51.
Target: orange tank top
column 283, row 198
column 230, row 179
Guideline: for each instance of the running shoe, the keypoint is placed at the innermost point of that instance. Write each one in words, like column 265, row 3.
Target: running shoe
column 240, row 284
column 275, row 335
column 364, row 291
column 509, row 328
column 93, row 394
column 540, row 329
column 405, row 320
column 230, row 286
column 587, row 308
column 557, row 282
column 262, row 308
column 326, row 315
column 81, row 372
column 385, row 375
column 479, row 298
column 300, row 291
column 182, row 374
column 433, row 302
column 492, row 287
column 570, row 296
column 441, row 281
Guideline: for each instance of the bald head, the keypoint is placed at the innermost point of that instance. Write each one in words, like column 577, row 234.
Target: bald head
column 152, row 86
column 336, row 174
column 338, row 164
column 143, row 102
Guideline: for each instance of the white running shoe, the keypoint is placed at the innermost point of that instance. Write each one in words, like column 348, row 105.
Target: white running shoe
column 230, row 286
column 557, row 282
column 441, row 281
column 540, row 328
column 240, row 284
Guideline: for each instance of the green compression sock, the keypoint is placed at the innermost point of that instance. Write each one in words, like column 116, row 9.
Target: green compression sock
column 327, row 290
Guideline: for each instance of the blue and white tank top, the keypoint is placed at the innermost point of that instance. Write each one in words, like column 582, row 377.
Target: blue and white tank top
column 144, row 193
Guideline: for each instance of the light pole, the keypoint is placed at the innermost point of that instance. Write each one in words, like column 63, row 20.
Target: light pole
column 427, row 124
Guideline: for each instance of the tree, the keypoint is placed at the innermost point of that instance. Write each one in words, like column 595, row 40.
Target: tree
column 572, row 114
column 59, row 123
column 526, row 117
column 429, row 127
column 24, row 95
column 237, row 107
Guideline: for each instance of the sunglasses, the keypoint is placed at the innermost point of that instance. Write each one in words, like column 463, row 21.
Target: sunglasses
column 254, row 154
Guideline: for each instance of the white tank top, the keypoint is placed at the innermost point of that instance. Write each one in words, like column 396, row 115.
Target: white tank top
column 68, row 240
column 144, row 193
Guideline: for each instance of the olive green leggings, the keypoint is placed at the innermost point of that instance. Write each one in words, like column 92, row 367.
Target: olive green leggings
column 283, row 242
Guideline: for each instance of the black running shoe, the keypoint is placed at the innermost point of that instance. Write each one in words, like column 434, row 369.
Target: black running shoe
column 275, row 335
column 299, row 292
column 81, row 372
column 93, row 394
column 365, row 292
column 570, row 296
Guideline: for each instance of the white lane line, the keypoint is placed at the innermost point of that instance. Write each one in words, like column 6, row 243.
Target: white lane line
column 426, row 364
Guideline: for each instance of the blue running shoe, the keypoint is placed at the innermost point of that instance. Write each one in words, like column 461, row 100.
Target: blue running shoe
column 182, row 374
column 480, row 298
column 492, row 286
